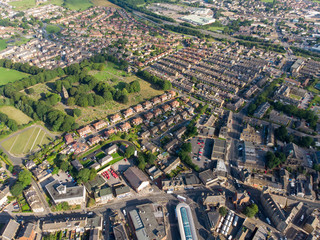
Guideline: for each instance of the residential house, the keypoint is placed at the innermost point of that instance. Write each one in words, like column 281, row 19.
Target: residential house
column 171, row 144
column 170, row 120
column 103, row 161
column 27, row 232
column 76, row 164
column 163, row 97
column 172, row 165
column 207, row 177
column 154, row 130
column 136, row 178
column 155, row 101
column 103, row 195
column 184, row 115
column 68, row 138
column 115, row 118
column 122, row 191
column 137, row 121
column 128, row 112
column 138, row 108
column 125, row 126
column 154, row 172
column 84, row 131
column 99, row 125
column 147, row 105
column 79, row 147
column 175, row 104
column 4, row 193
column 180, row 132
column 171, row 94
column 30, row 165
column 145, row 134
column 94, row 140
column 10, row 230
column 109, row 132
column 157, row 112
column 166, row 108
column 149, row 146
column 33, row 199
column 161, row 125
column 112, row 149
column 148, row 116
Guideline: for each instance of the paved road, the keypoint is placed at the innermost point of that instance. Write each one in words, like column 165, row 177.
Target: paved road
column 17, row 160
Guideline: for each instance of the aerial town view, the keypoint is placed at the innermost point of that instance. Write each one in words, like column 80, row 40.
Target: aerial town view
column 160, row 119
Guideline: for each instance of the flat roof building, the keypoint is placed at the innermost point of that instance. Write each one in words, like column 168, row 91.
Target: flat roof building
column 61, row 193
column 186, row 224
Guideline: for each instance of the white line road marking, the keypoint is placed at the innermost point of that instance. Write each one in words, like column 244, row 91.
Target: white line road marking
column 13, row 143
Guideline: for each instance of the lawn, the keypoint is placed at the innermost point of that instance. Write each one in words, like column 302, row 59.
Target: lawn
column 3, row 44
column 9, row 75
column 39, row 90
column 104, row 3
column 15, row 114
column 295, row 97
column 26, row 141
column 215, row 29
column 52, row 29
column 267, row 1
column 77, row 4
column 23, row 4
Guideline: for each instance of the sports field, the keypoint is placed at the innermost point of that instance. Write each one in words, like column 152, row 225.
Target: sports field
column 15, row 114
column 28, row 140
column 103, row 3
column 9, row 75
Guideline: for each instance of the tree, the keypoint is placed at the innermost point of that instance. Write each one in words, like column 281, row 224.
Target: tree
column 281, row 133
column 151, row 158
column 251, row 210
column 129, row 151
column 55, row 170
column 223, row 211
column 93, row 174
column 91, row 202
column 17, row 189
column 186, row 147
column 64, row 166
column 76, row 112
column 83, row 175
column 25, row 177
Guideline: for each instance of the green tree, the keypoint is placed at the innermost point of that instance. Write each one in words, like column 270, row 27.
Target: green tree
column 25, row 177
column 83, row 175
column 129, row 151
column 151, row 158
column 91, row 202
column 251, row 210
column 186, row 147
column 93, row 174
column 223, row 211
column 17, row 189
column 64, row 166
column 76, row 112
column 55, row 170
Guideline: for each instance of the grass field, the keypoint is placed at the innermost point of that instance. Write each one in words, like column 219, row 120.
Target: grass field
column 103, row 3
column 27, row 141
column 15, row 114
column 295, row 97
column 3, row 44
column 267, row 1
column 23, row 4
column 214, row 29
column 52, row 29
column 9, row 75
column 77, row 4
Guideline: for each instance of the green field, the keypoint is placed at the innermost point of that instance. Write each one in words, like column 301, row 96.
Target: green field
column 3, row 44
column 215, row 29
column 52, row 29
column 15, row 114
column 26, row 141
column 9, row 75
column 267, row 1
column 77, row 4
column 23, row 4
column 103, row 3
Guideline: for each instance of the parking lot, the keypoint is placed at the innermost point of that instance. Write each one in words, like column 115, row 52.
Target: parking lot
column 201, row 151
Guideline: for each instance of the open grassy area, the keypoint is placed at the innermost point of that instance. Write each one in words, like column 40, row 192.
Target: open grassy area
column 52, row 29
column 26, row 141
column 21, row 5
column 77, row 4
column 3, row 44
column 15, row 114
column 40, row 90
column 214, row 29
column 267, row 1
column 9, row 75
column 295, row 97
column 103, row 3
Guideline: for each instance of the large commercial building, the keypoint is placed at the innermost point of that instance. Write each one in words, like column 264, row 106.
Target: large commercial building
column 186, row 223
column 61, row 193
column 137, row 179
